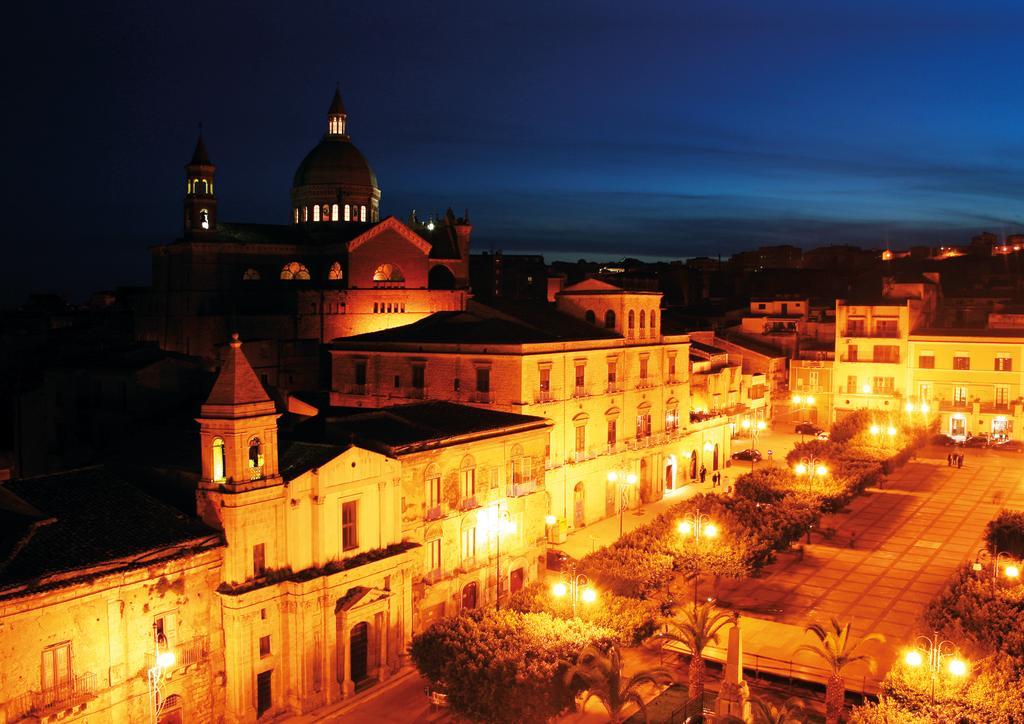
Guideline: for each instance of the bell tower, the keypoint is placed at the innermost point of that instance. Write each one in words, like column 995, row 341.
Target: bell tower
column 200, row 201
column 240, row 489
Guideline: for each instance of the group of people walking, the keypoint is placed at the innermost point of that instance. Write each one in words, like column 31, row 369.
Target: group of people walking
column 955, row 460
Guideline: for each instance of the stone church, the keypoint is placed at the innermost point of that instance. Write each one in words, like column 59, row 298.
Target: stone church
column 334, row 270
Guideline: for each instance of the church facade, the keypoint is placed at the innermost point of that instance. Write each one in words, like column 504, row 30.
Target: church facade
column 334, row 270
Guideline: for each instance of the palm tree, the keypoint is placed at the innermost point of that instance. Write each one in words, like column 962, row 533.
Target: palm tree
column 698, row 627
column 790, row 711
column 835, row 649
column 601, row 672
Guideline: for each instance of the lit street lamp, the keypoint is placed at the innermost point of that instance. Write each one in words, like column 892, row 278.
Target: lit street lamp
column 813, row 468
column 502, row 524
column 577, row 588
column 625, row 480
column 889, row 430
column 162, row 661
column 698, row 526
column 930, row 652
column 754, row 429
column 1011, row 570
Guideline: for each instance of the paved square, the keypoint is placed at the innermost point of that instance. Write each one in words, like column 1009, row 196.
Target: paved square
column 909, row 536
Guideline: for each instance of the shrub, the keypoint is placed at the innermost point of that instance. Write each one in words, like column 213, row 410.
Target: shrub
column 845, row 428
column 504, row 666
column 632, row 620
column 1005, row 532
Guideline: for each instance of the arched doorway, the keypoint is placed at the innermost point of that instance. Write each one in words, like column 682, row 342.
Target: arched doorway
column 693, row 465
column 579, row 510
column 469, row 595
column 714, row 460
column 516, row 579
column 359, row 649
column 440, row 277
column 670, row 472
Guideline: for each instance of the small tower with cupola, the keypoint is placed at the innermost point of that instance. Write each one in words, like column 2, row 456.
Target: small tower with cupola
column 240, row 489
column 200, row 201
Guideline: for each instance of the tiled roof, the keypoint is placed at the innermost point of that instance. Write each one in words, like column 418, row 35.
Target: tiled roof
column 391, row 429
column 94, row 517
column 494, row 323
column 297, row 457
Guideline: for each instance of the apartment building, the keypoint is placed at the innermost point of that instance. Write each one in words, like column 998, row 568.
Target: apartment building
column 597, row 363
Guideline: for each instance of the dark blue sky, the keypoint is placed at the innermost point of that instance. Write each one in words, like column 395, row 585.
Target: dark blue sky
column 590, row 129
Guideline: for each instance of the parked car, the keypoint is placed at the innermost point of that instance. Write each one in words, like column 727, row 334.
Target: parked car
column 944, row 440
column 807, row 428
column 1009, row 446
column 977, row 441
column 749, row 454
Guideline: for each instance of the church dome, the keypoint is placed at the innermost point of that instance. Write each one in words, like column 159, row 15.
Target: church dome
column 335, row 161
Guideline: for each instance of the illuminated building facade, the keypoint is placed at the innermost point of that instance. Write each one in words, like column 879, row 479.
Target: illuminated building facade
column 334, row 270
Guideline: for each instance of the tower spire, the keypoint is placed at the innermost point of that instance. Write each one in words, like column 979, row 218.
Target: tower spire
column 200, row 200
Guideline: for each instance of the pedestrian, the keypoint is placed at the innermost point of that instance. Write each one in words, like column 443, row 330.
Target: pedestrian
column 703, row 473
column 960, row 460
column 949, row 460
column 715, row 479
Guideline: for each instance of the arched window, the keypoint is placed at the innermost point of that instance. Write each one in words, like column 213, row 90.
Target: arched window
column 590, row 317
column 609, row 319
column 334, row 212
column 206, row 186
column 348, row 213
column 654, row 320
column 388, row 275
column 362, row 213
column 334, row 273
column 251, row 275
column 643, row 323
column 432, row 480
column 255, row 459
column 296, row 214
column 204, row 218
column 219, row 462
column 295, row 270
column 519, row 466
column 305, row 213
column 467, row 477
column 632, row 322
column 325, row 215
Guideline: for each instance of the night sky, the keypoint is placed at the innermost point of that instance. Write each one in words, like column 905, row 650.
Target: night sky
column 591, row 129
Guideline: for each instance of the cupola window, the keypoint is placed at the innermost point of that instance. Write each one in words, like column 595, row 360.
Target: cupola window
column 334, row 212
column 218, row 460
column 255, row 459
column 204, row 218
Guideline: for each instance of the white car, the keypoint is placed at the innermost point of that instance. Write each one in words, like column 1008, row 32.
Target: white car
column 823, row 435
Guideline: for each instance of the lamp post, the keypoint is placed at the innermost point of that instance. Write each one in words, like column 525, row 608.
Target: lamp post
column 624, row 480
column 502, row 524
column 802, row 402
column 890, row 433
column 698, row 526
column 163, row 660
column 577, row 587
column 813, row 468
column 930, row 652
column 1011, row 570
column 754, row 428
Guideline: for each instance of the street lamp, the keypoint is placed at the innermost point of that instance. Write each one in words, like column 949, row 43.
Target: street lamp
column 802, row 402
column 698, row 526
column 930, row 652
column 813, row 468
column 578, row 588
column 754, row 429
column 502, row 524
column 625, row 480
column 163, row 660
column 1011, row 570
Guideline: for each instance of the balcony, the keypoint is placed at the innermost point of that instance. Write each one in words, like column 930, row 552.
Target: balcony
column 867, row 334
column 355, row 389
column 518, row 490
column 416, row 393
column 67, row 695
column 432, row 577
column 646, row 383
column 484, row 397
column 544, row 396
column 995, row 407
column 186, row 653
column 434, row 513
column 578, row 392
column 614, row 387
column 469, row 503
column 256, row 472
